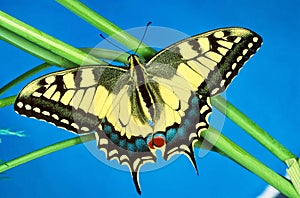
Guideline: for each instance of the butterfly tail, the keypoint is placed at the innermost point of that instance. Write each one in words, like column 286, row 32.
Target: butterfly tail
column 127, row 153
column 135, row 177
column 191, row 157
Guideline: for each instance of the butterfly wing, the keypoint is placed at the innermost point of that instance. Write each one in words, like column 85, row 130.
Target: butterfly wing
column 69, row 99
column 206, row 64
column 91, row 98
column 209, row 61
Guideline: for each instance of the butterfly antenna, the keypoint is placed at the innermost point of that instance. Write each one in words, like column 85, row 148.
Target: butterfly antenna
column 101, row 35
column 142, row 37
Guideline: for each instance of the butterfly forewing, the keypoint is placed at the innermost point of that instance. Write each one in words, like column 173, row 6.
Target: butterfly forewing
column 209, row 61
column 71, row 99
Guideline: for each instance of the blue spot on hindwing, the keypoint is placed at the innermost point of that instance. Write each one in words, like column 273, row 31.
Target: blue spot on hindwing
column 186, row 123
column 107, row 129
column 181, row 131
column 194, row 101
column 170, row 134
column 192, row 113
column 114, row 138
column 141, row 145
column 123, row 143
column 131, row 147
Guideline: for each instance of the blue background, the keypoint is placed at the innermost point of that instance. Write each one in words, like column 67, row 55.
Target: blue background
column 267, row 90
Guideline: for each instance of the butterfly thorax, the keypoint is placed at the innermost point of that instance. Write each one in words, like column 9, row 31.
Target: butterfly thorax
column 137, row 69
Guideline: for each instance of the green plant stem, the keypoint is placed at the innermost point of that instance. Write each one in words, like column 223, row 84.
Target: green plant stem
column 23, row 77
column 107, row 54
column 249, row 162
column 48, row 42
column 107, row 27
column 33, row 49
column 44, row 151
column 294, row 172
column 7, row 101
column 252, row 129
column 97, row 52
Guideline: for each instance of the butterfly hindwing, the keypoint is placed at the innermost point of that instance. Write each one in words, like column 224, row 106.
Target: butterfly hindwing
column 133, row 152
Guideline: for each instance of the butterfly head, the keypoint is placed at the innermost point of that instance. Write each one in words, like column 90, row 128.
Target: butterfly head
column 134, row 60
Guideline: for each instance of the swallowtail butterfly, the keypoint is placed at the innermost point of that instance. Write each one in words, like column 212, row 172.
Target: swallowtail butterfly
column 163, row 103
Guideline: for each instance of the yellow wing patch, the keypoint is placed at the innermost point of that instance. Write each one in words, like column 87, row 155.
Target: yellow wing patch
column 191, row 75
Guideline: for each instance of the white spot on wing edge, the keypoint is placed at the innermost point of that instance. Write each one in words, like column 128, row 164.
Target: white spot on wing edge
column 184, row 147
column 228, row 74
column 239, row 58
column 46, row 113
column 65, row 121
column 20, row 104
column 37, row 110
column 27, row 107
column 203, row 109
column 75, row 125
column 103, row 141
column 192, row 136
column 124, row 157
column 201, row 124
column 255, row 39
column 214, row 91
column 55, row 116
column 113, row 152
column 234, row 66
column 85, row 129
column 222, row 83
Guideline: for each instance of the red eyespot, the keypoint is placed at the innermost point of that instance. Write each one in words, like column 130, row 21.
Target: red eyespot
column 156, row 142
